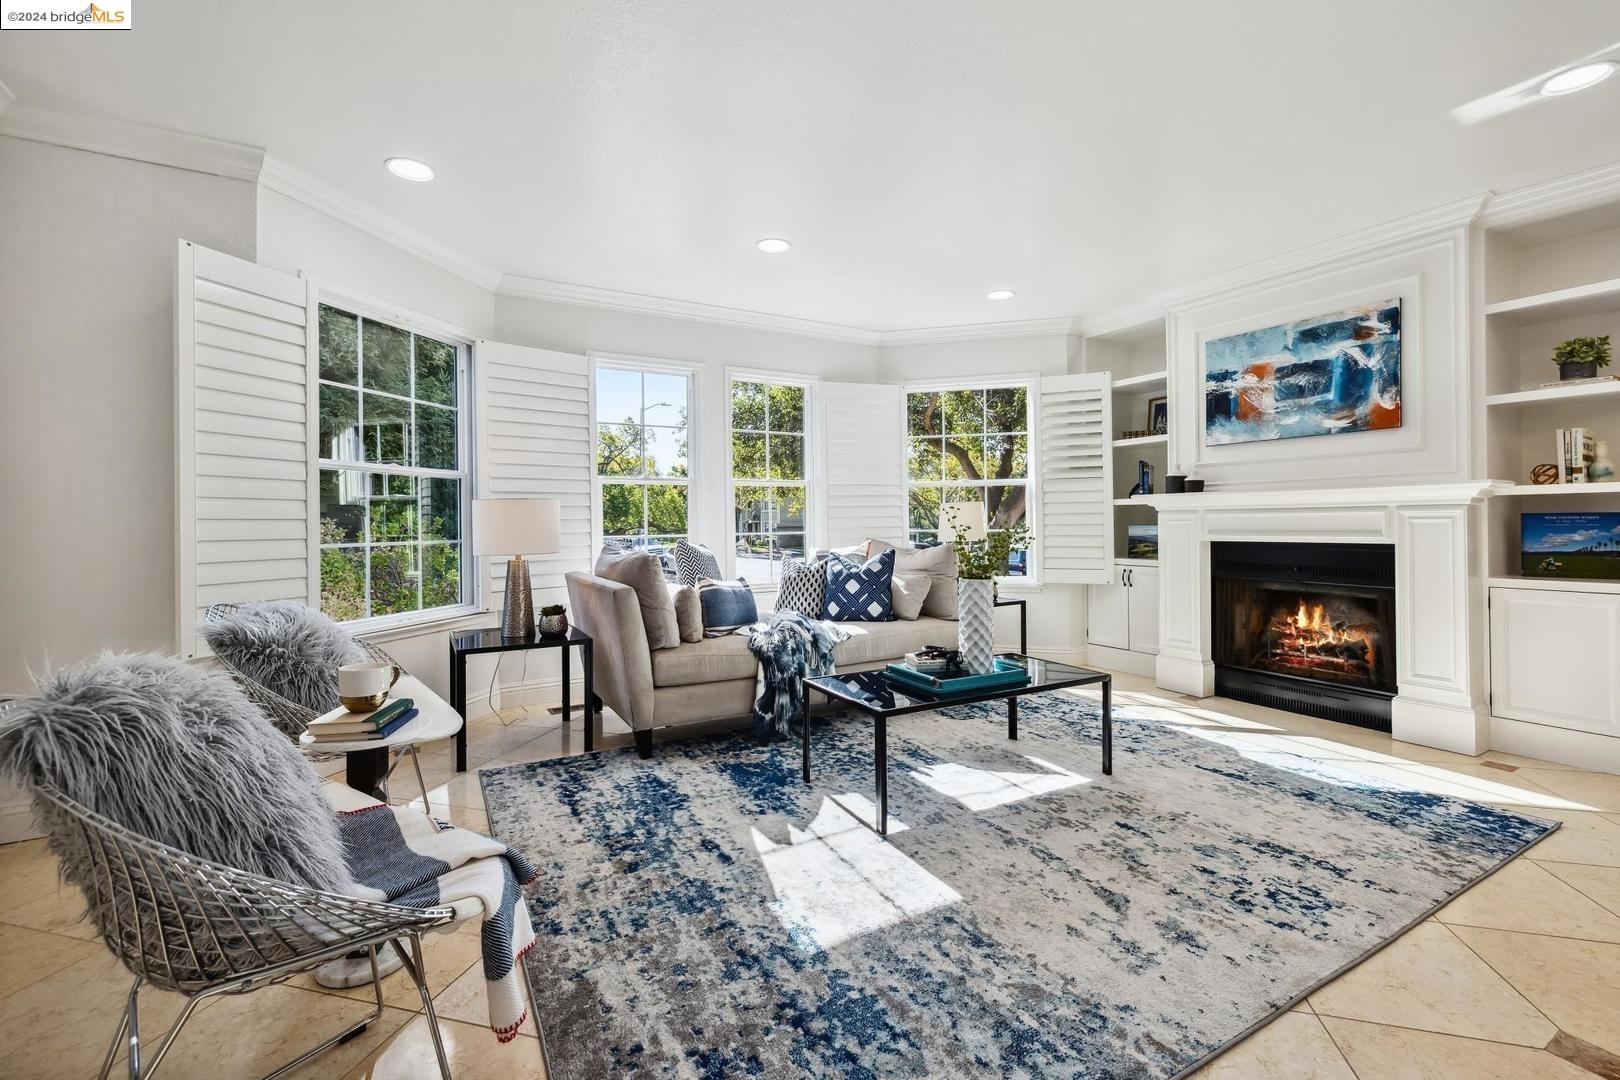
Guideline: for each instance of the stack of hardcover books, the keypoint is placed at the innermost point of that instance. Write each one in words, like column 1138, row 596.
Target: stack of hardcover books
column 363, row 727
column 1576, row 449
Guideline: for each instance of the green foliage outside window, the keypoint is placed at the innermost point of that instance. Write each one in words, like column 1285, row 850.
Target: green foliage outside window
column 969, row 446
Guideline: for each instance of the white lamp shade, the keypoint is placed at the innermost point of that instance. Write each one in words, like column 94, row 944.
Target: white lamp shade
column 516, row 526
column 970, row 523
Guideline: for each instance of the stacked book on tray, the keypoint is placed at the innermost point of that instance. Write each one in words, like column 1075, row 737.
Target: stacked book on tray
column 361, row 727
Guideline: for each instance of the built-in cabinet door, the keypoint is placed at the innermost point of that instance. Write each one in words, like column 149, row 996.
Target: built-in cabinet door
column 1142, row 597
column 1108, row 620
column 1555, row 658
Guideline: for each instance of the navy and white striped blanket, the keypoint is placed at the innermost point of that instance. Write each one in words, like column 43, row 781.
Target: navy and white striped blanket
column 789, row 646
column 403, row 856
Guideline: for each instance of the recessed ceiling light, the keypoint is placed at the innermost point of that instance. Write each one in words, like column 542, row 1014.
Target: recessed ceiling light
column 410, row 169
column 1577, row 78
column 999, row 294
column 772, row 245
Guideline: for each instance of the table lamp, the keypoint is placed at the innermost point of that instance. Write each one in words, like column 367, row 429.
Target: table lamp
column 515, row 528
column 963, row 521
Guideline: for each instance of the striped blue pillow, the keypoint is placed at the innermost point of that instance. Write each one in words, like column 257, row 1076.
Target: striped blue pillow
column 727, row 606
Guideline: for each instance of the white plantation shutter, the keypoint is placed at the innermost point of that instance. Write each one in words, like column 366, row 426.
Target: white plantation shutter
column 533, row 425
column 863, row 491
column 1075, row 534
column 245, row 406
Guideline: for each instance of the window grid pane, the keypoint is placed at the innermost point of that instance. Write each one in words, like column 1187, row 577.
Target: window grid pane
column 769, row 476
column 967, row 445
column 390, row 542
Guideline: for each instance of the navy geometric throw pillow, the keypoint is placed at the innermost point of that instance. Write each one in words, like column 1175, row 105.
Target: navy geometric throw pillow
column 694, row 562
column 858, row 592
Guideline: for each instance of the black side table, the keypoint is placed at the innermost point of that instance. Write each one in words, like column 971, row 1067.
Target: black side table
column 465, row 643
column 1023, row 620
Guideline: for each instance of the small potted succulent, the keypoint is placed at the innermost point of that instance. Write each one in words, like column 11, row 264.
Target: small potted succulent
column 553, row 620
column 1580, row 358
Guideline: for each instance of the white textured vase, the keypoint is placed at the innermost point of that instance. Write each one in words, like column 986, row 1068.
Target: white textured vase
column 975, row 627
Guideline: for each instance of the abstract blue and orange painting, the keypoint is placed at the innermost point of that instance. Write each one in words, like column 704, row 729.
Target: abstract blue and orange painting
column 1325, row 375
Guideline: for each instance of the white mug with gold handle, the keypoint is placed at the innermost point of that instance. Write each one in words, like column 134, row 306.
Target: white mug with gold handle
column 364, row 687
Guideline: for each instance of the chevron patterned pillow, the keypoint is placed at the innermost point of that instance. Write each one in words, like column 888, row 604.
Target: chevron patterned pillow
column 694, row 562
column 859, row 592
column 803, row 588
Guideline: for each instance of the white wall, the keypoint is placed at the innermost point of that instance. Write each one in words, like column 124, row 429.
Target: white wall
column 87, row 270
column 296, row 238
column 1428, row 271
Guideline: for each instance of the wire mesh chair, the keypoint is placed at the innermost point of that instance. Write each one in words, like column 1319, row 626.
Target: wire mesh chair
column 201, row 929
column 293, row 719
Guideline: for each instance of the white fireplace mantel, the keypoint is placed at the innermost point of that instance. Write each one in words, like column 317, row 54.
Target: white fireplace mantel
column 1439, row 590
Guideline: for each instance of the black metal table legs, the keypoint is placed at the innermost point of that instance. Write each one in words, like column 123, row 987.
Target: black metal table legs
column 458, row 701
column 1012, row 718
column 1108, row 725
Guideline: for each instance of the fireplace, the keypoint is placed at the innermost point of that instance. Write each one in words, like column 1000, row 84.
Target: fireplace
column 1306, row 627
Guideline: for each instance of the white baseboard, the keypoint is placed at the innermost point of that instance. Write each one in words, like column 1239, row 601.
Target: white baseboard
column 1581, row 749
column 1460, row 729
column 1195, row 678
column 1123, row 660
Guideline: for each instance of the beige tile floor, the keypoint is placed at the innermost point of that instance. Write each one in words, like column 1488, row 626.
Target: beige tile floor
column 1518, row 978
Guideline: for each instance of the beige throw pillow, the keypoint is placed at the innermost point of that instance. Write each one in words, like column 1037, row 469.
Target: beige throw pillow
column 938, row 562
column 688, row 612
column 642, row 572
column 906, row 594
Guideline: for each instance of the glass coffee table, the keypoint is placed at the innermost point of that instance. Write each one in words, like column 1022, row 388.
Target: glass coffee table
column 880, row 697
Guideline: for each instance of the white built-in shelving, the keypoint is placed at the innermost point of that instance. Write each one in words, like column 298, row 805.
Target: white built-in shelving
column 1552, row 395
column 1144, row 383
column 1592, row 298
column 1142, row 440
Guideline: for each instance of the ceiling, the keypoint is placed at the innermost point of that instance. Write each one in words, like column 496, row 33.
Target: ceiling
column 918, row 153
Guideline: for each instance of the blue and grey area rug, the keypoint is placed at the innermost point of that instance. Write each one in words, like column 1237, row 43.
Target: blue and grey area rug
column 707, row 914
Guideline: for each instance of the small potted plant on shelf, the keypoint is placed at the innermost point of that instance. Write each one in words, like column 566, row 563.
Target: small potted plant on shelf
column 553, row 620
column 1580, row 358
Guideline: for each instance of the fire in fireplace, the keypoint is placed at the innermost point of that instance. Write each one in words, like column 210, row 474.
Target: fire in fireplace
column 1307, row 627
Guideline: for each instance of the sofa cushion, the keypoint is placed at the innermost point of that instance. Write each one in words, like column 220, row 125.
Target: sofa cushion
column 688, row 612
column 870, row 642
column 859, row 592
column 694, row 562
column 714, row 659
column 803, row 587
column 727, row 606
column 642, row 571
column 909, row 591
column 938, row 562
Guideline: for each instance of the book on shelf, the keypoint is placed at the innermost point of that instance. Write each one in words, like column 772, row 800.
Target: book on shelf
column 1580, row 382
column 349, row 724
column 1576, row 449
column 381, row 731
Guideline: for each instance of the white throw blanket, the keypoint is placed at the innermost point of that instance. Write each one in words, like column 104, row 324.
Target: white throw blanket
column 403, row 856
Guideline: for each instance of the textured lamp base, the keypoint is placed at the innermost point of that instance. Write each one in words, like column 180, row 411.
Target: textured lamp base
column 517, row 609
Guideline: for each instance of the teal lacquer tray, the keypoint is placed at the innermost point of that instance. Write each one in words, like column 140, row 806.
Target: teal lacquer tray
column 1007, row 674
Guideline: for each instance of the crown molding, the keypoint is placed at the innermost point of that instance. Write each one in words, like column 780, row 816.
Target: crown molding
column 561, row 292
column 124, row 139
column 1551, row 198
column 295, row 184
column 980, row 331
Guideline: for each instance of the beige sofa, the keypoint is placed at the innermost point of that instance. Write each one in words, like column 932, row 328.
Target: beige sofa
column 712, row 679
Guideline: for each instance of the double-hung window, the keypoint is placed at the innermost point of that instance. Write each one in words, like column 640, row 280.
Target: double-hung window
column 769, row 497
column 642, row 457
column 392, row 456
column 968, row 445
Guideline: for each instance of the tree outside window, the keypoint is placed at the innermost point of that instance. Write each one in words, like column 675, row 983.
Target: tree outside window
column 393, row 487
column 642, row 461
column 768, row 473
column 968, row 446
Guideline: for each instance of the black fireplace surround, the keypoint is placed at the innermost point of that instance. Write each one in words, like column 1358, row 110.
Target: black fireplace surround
column 1309, row 628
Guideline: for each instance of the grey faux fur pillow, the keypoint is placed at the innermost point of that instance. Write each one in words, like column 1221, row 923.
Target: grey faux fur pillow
column 287, row 648
column 177, row 754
